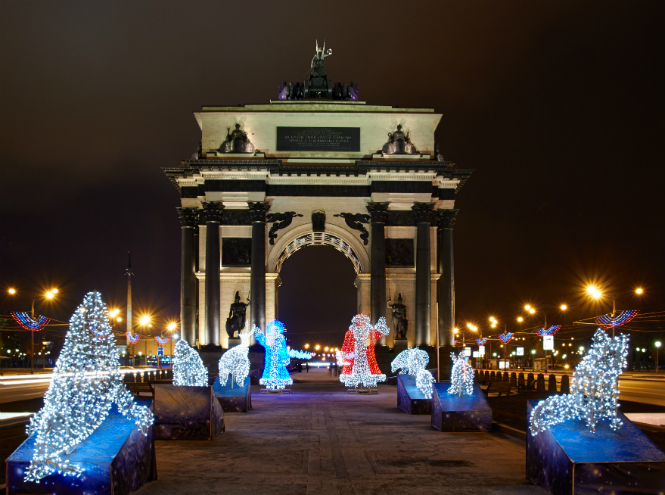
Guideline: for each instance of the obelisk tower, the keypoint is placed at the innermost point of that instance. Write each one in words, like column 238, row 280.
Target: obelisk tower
column 129, row 293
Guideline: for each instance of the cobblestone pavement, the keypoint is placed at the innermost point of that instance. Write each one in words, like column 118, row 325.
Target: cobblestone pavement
column 319, row 440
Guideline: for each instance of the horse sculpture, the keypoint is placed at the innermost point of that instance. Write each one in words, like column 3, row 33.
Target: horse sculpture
column 412, row 362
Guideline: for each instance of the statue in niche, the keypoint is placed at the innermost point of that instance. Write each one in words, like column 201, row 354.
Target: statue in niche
column 237, row 316
column 400, row 323
column 318, row 66
column 399, row 143
column 236, row 142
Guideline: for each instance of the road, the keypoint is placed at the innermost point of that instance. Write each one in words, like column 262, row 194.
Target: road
column 644, row 389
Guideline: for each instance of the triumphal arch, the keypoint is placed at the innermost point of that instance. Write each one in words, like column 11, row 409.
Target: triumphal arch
column 317, row 166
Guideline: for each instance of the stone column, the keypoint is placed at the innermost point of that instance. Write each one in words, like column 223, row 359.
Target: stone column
column 446, row 289
column 422, row 212
column 212, row 212
column 257, row 211
column 189, row 219
column 378, row 214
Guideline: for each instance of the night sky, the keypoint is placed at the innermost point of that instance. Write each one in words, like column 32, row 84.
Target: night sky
column 558, row 106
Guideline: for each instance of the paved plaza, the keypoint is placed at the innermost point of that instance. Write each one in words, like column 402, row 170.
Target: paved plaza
column 319, row 440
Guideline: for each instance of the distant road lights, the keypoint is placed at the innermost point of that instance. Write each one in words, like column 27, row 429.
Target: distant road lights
column 581, row 348
column 639, row 291
column 472, row 327
column 563, row 307
column 520, row 319
column 532, row 311
column 325, row 348
column 144, row 320
column 533, row 351
column 171, row 326
column 114, row 312
column 594, row 292
column 317, row 347
column 306, row 346
column 51, row 294
column 527, row 307
column 12, row 291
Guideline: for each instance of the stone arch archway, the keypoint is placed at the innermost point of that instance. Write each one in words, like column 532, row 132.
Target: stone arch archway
column 303, row 236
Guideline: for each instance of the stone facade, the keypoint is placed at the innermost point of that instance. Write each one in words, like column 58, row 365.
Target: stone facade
column 343, row 185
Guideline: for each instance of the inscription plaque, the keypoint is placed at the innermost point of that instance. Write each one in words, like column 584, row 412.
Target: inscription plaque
column 318, row 138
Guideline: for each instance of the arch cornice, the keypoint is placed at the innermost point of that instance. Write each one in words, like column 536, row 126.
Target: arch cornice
column 331, row 229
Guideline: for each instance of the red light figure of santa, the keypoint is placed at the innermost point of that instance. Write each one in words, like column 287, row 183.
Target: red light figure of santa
column 360, row 366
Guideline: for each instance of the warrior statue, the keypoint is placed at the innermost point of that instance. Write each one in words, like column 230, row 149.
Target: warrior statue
column 318, row 68
column 399, row 143
column 236, row 142
column 236, row 320
column 400, row 323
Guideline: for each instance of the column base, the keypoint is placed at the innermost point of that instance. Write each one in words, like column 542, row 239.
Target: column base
column 445, row 362
column 210, row 355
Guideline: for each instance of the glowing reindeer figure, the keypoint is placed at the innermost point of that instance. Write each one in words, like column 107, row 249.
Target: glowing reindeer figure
column 413, row 361
column 236, row 361
column 594, row 390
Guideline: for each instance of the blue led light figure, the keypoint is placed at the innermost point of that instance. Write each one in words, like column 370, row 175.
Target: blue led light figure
column 275, row 375
column 86, row 383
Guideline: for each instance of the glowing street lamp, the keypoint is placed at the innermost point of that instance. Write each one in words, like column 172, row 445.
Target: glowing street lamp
column 11, row 291
column 596, row 293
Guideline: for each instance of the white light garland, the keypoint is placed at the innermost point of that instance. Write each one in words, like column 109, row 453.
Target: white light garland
column 275, row 375
column 86, row 382
column 413, row 362
column 359, row 347
column 594, row 389
column 188, row 369
column 461, row 377
column 236, row 362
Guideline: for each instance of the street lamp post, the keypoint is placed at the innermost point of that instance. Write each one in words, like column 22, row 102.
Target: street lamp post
column 657, row 349
column 48, row 295
column 597, row 294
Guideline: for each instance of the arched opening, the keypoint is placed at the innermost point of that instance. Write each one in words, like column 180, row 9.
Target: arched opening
column 317, row 298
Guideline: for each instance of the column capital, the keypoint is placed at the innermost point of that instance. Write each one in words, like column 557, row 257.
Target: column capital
column 212, row 211
column 446, row 218
column 189, row 217
column 378, row 212
column 258, row 210
column 422, row 212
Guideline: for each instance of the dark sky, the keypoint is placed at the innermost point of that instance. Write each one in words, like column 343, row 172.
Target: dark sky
column 558, row 106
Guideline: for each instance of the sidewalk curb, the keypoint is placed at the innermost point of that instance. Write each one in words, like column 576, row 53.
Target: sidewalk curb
column 510, row 431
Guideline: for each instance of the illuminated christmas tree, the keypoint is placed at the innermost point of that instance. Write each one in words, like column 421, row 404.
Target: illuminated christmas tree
column 275, row 375
column 413, row 361
column 462, row 375
column 188, row 369
column 86, row 383
column 594, row 390
column 358, row 351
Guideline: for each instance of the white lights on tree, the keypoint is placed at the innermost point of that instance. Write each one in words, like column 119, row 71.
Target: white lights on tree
column 360, row 366
column 594, row 390
column 413, row 361
column 235, row 361
column 86, row 383
column 275, row 375
column 461, row 377
column 188, row 369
